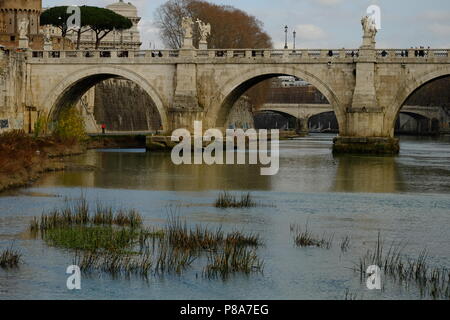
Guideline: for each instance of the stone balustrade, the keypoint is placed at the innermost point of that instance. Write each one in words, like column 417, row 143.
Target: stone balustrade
column 243, row 55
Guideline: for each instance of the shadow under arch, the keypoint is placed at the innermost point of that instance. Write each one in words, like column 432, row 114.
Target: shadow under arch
column 333, row 121
column 408, row 90
column 287, row 116
column 234, row 88
column 70, row 90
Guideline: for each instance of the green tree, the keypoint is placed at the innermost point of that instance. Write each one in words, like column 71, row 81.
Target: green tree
column 102, row 21
column 57, row 17
column 70, row 126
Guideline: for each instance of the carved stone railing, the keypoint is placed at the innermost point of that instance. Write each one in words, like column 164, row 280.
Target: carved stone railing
column 242, row 55
column 420, row 54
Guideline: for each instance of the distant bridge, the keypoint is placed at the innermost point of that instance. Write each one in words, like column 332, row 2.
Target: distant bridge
column 304, row 111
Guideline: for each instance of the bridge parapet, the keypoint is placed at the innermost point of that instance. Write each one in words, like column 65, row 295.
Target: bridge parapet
column 197, row 56
column 413, row 55
column 241, row 56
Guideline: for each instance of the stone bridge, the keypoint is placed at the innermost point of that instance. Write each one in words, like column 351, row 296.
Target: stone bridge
column 365, row 87
column 304, row 111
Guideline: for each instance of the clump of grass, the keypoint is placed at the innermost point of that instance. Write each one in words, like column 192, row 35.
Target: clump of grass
column 232, row 259
column 128, row 218
column 171, row 259
column 345, row 244
column 350, row 295
column 116, row 243
column 79, row 214
column 431, row 281
column 199, row 238
column 91, row 238
column 304, row 238
column 114, row 263
column 229, row 200
column 10, row 258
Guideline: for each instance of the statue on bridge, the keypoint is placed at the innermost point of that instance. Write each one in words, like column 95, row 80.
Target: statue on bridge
column 370, row 31
column 205, row 31
column 23, row 33
column 23, row 28
column 186, row 24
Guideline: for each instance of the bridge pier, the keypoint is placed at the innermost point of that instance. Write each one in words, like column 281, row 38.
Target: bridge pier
column 366, row 145
column 365, row 132
column 302, row 126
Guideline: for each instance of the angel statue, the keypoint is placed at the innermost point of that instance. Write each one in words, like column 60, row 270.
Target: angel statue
column 186, row 24
column 369, row 27
column 205, row 30
column 23, row 28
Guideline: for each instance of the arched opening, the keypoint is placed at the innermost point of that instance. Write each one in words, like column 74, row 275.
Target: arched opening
column 412, row 124
column 122, row 99
column 270, row 119
column 325, row 122
column 424, row 109
column 323, row 98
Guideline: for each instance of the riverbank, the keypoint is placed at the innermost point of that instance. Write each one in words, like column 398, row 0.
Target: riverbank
column 24, row 158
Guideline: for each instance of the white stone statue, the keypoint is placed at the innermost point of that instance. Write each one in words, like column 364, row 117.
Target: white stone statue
column 186, row 24
column 23, row 28
column 369, row 26
column 205, row 30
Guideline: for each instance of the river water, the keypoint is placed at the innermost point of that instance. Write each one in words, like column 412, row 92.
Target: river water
column 404, row 198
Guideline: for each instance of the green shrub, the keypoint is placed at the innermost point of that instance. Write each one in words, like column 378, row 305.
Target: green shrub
column 70, row 126
column 40, row 126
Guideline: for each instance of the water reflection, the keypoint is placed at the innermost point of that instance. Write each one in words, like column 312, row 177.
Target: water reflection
column 367, row 174
column 348, row 196
column 306, row 165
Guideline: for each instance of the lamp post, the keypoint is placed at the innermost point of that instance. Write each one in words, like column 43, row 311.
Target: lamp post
column 285, row 33
column 295, row 33
column 64, row 29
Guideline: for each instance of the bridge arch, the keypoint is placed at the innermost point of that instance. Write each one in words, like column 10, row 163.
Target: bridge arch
column 73, row 87
column 237, row 85
column 286, row 115
column 409, row 88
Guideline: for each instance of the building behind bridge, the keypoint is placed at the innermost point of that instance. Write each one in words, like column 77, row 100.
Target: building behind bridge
column 11, row 13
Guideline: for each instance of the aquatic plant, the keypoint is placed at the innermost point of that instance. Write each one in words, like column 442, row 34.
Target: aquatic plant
column 228, row 200
column 304, row 238
column 116, row 242
column 350, row 295
column 232, row 259
column 432, row 281
column 10, row 258
column 94, row 238
column 345, row 244
column 78, row 213
column 201, row 238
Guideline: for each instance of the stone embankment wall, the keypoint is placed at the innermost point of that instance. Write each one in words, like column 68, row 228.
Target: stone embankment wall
column 11, row 113
column 241, row 115
column 124, row 106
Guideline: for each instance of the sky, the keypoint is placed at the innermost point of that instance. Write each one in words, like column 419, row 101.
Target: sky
column 321, row 23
